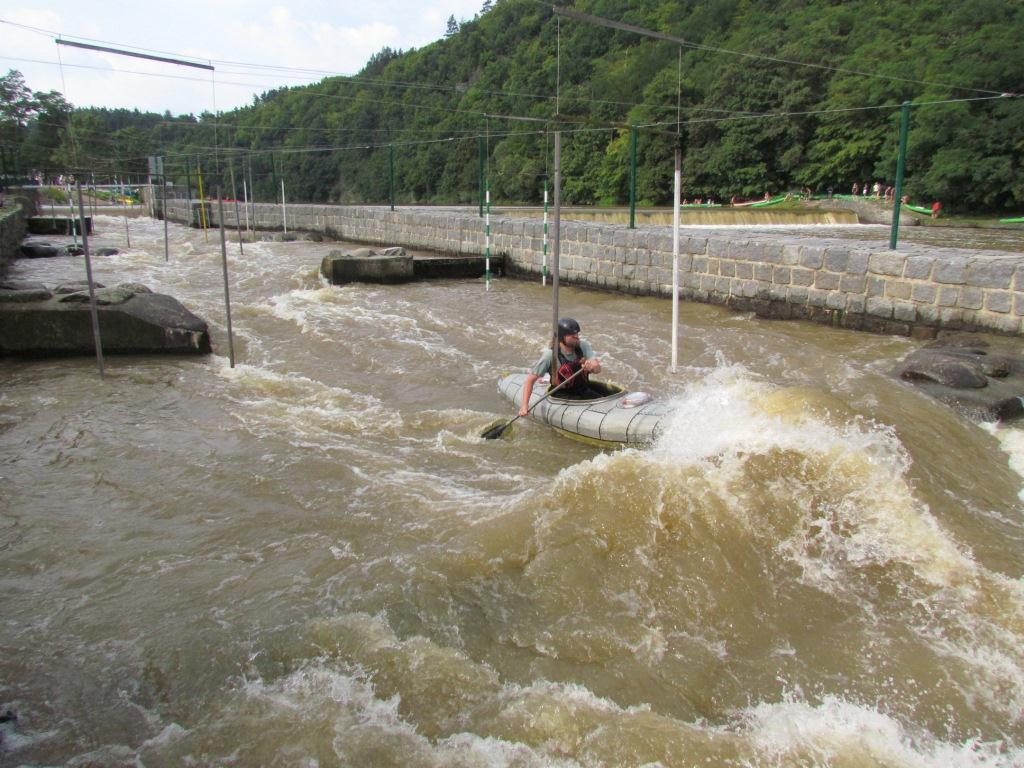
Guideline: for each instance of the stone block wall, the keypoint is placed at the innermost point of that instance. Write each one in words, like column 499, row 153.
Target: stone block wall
column 12, row 231
column 913, row 291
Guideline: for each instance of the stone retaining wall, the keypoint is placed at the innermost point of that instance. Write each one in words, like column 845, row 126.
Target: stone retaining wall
column 916, row 290
column 12, row 231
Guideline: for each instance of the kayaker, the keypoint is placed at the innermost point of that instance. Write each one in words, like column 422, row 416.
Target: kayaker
column 574, row 353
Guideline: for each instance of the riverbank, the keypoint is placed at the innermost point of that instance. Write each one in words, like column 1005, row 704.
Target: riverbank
column 918, row 290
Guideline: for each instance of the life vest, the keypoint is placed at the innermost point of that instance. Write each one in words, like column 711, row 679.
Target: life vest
column 566, row 368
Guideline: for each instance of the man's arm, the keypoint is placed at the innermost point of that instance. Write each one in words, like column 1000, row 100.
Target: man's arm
column 531, row 379
column 591, row 364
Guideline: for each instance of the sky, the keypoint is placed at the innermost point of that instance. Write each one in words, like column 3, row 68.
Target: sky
column 254, row 45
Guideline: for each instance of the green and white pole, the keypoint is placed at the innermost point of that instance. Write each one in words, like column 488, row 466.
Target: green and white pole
column 544, row 260
column 71, row 213
column 487, row 236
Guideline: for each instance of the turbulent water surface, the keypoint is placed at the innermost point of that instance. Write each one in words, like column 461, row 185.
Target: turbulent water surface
column 312, row 559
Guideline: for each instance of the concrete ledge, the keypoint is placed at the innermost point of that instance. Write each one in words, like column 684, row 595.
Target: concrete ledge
column 57, row 225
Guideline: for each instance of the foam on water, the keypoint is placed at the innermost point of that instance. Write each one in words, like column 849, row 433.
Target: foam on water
column 1011, row 440
column 309, row 412
column 837, row 732
column 372, row 697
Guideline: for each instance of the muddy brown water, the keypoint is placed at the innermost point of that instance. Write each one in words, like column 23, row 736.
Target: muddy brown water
column 313, row 559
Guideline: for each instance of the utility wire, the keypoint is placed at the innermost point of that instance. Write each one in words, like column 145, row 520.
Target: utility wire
column 609, row 23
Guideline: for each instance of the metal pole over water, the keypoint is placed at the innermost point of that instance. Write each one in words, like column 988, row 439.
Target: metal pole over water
column 284, row 208
column 245, row 194
column 88, row 276
column 480, row 171
column 202, row 204
column 227, row 292
column 487, row 238
column 544, row 261
column 163, row 207
column 71, row 214
column 676, row 191
column 557, row 249
column 252, row 201
column 234, row 196
column 901, row 161
column 124, row 206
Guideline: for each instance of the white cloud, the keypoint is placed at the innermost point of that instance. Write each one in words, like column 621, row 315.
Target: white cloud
column 323, row 35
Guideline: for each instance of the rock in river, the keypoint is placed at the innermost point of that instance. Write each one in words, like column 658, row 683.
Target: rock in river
column 964, row 372
column 38, row 322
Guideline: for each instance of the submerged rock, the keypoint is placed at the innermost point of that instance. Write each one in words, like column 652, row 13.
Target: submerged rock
column 118, row 294
column 962, row 371
column 133, row 320
column 41, row 250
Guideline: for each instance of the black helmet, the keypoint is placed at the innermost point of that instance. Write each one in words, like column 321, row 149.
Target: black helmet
column 566, row 327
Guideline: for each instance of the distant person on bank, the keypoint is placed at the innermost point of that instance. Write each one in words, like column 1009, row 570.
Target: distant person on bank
column 574, row 354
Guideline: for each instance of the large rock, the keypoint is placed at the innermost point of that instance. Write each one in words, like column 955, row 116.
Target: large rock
column 963, row 371
column 39, row 250
column 363, row 265
column 132, row 321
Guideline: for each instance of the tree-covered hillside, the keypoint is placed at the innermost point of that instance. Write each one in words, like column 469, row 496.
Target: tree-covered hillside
column 752, row 116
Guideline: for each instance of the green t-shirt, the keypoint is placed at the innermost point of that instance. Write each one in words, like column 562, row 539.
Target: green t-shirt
column 543, row 365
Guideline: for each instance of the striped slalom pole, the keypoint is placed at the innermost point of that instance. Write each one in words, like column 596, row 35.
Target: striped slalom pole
column 487, row 236
column 544, row 261
column 71, row 213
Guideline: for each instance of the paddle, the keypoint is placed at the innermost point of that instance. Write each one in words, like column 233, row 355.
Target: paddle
column 498, row 430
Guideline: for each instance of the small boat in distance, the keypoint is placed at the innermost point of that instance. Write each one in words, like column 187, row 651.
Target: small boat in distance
column 615, row 419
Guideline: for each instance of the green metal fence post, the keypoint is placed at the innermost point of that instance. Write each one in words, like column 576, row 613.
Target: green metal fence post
column 391, row 175
column 632, row 177
column 901, row 162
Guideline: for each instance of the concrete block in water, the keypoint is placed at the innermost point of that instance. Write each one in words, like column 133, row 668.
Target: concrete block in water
column 366, row 266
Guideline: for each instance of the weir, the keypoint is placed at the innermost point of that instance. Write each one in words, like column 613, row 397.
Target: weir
column 915, row 291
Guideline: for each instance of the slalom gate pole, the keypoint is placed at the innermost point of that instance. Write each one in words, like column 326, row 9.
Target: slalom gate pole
column 71, row 214
column 202, row 204
column 557, row 249
column 163, row 198
column 227, row 292
column 544, row 259
column 245, row 194
column 284, row 207
column 124, row 207
column 487, row 237
column 92, row 289
column 234, row 196
column 676, row 191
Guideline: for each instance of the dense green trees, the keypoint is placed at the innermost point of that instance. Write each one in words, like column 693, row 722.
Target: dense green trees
column 752, row 118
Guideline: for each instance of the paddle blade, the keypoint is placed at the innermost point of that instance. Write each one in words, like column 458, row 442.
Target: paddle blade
column 495, row 431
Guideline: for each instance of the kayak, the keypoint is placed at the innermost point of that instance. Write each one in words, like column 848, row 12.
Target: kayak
column 615, row 419
column 918, row 209
column 773, row 201
column 1015, row 220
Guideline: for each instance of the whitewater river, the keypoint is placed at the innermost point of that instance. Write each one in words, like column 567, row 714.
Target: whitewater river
column 313, row 560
